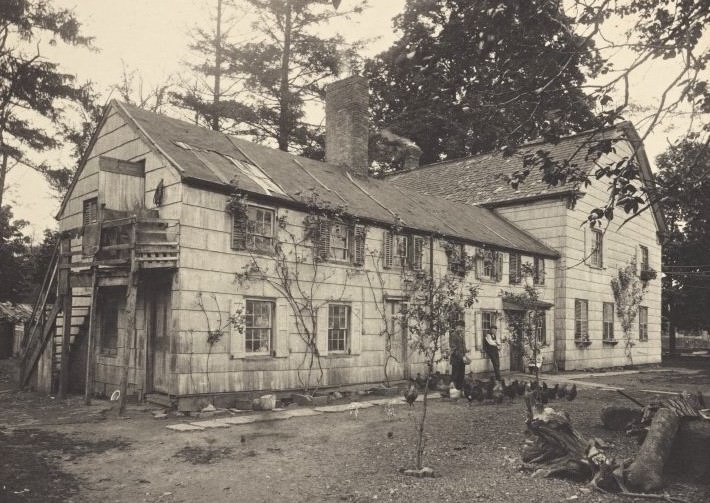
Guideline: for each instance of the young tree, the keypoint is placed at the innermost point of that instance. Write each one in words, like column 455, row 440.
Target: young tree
column 34, row 91
column 286, row 66
column 469, row 76
column 434, row 303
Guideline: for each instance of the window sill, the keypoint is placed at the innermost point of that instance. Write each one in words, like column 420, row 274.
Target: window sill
column 106, row 354
column 610, row 342
column 597, row 267
column 265, row 253
column 583, row 344
column 340, row 355
column 256, row 357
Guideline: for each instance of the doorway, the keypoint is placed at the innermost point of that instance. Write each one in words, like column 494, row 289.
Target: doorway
column 158, row 328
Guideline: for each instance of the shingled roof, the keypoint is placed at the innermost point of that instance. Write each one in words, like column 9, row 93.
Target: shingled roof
column 213, row 159
column 478, row 180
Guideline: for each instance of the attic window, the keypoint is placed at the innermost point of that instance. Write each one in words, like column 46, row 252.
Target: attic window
column 91, row 208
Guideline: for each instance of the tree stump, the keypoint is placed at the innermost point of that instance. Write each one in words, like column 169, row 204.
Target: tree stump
column 646, row 472
column 618, row 418
column 691, row 450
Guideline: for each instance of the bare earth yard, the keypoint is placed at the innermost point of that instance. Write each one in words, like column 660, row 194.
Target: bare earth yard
column 61, row 452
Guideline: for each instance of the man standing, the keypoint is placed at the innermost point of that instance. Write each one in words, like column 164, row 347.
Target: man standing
column 457, row 344
column 492, row 346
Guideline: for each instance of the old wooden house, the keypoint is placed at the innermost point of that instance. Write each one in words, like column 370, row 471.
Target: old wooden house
column 197, row 264
column 588, row 332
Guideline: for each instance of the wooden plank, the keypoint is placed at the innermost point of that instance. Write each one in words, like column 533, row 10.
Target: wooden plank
column 39, row 345
column 89, row 383
column 119, row 166
column 131, row 302
column 64, row 289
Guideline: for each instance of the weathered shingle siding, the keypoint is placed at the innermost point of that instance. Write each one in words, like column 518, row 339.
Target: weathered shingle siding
column 587, row 282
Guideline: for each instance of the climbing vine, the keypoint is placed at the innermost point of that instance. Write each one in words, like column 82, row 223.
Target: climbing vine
column 629, row 291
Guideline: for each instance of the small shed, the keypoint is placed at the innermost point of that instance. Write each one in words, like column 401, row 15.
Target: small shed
column 12, row 327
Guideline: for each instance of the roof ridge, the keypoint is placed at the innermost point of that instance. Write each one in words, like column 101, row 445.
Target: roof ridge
column 620, row 126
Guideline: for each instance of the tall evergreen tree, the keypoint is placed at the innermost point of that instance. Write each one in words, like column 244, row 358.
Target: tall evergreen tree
column 33, row 90
column 468, row 76
column 14, row 270
column 281, row 67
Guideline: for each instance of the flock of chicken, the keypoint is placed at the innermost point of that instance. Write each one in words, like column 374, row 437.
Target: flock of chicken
column 492, row 390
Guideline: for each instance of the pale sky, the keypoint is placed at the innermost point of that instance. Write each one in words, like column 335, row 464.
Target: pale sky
column 151, row 37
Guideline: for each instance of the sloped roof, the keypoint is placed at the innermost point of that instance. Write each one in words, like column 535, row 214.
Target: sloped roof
column 478, row 180
column 15, row 313
column 205, row 156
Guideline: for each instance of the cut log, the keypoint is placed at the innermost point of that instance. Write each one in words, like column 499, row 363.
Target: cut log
column 691, row 450
column 618, row 418
column 646, row 472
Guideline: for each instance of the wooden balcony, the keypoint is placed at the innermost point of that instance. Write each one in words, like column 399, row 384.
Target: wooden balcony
column 149, row 243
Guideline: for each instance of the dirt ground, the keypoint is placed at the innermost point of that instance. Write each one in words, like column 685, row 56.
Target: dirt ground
column 52, row 451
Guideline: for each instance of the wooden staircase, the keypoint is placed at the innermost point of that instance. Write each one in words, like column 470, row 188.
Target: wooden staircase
column 81, row 303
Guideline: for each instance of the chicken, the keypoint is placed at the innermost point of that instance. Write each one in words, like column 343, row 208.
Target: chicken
column 473, row 391
column 411, row 395
column 519, row 387
column 572, row 394
column 497, row 393
column 509, row 390
column 552, row 392
column 489, row 388
column 420, row 381
column 562, row 392
column 542, row 395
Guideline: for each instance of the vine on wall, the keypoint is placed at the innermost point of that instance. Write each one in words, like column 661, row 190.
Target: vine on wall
column 629, row 291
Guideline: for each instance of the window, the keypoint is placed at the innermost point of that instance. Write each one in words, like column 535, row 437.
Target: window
column 108, row 338
column 515, row 267
column 456, row 256
column 541, row 329
column 644, row 259
column 401, row 250
column 397, row 324
column 489, row 265
column 257, row 233
column 596, row 257
column 538, row 271
column 340, row 242
column 581, row 320
column 643, row 323
column 488, row 319
column 608, row 321
column 338, row 327
column 91, row 211
column 258, row 326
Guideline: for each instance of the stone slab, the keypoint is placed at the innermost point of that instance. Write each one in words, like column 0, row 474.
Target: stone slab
column 302, row 412
column 345, row 407
column 184, row 427
column 214, row 423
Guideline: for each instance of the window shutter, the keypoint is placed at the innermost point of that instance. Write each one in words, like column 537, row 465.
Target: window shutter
column 477, row 264
column 322, row 330
column 478, row 327
column 239, row 233
column 418, row 254
column 356, row 328
column 549, row 323
column 323, row 246
column 541, row 271
column 387, row 250
column 499, row 266
column 281, row 343
column 358, row 248
column 236, row 339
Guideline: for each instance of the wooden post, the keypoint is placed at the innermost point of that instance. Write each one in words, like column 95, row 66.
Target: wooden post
column 90, row 342
column 131, row 300
column 64, row 290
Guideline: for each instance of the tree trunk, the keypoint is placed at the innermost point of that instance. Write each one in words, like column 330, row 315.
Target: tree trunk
column 3, row 174
column 217, row 68
column 285, row 96
column 646, row 472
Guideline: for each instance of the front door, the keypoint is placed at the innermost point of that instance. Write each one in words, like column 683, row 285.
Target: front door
column 158, row 326
column 516, row 345
column 399, row 339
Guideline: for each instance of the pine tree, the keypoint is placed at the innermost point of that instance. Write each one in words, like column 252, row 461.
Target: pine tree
column 34, row 91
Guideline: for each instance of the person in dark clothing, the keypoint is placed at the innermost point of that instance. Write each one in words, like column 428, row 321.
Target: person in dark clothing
column 457, row 344
column 492, row 346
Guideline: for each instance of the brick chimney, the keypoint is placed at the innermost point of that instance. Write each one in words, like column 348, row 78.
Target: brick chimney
column 346, row 124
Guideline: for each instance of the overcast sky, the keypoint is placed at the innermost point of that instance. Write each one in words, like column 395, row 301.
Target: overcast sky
column 151, row 37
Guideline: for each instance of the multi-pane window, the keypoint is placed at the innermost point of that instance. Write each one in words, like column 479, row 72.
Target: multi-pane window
column 608, row 321
column 456, row 256
column 256, row 233
column 338, row 327
column 258, row 326
column 515, row 267
column 91, row 211
column 539, row 271
column 401, row 250
column 596, row 255
column 643, row 323
column 488, row 320
column 339, row 248
column 644, row 258
column 489, row 264
column 581, row 320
